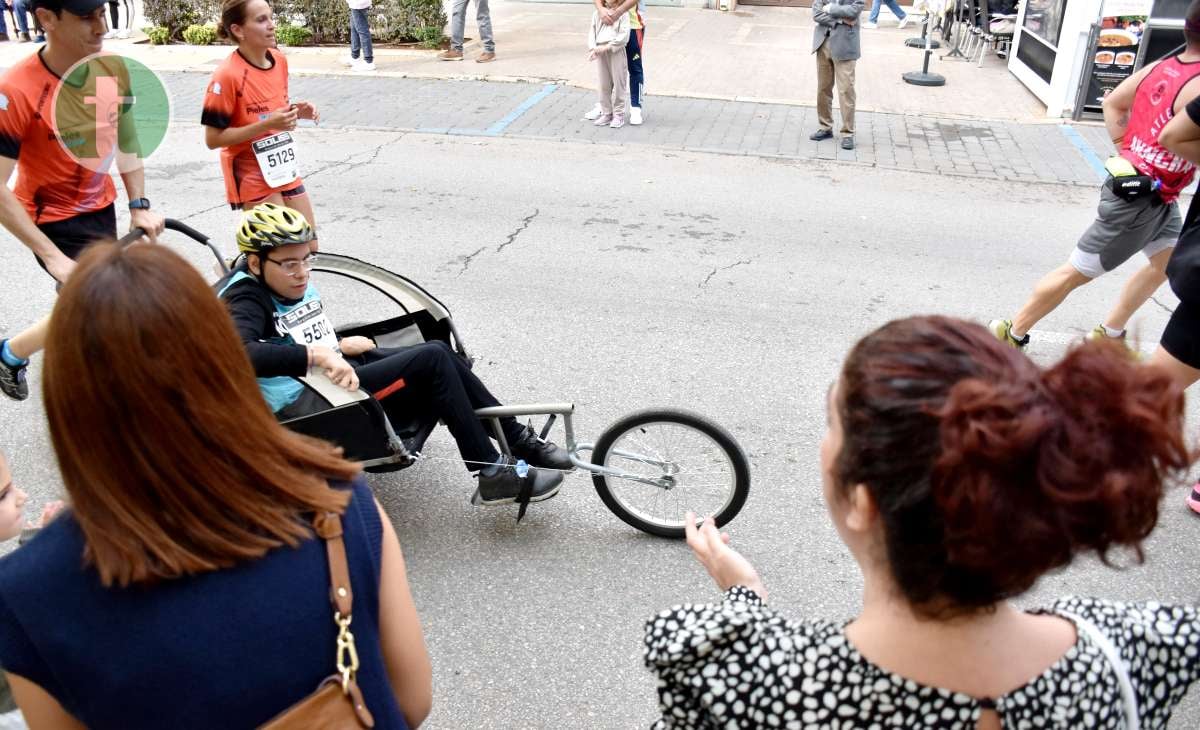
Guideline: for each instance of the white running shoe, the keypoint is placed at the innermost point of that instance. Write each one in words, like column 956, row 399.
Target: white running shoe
column 111, row 34
column 348, row 61
column 903, row 22
column 363, row 66
column 594, row 113
column 635, row 115
column 870, row 26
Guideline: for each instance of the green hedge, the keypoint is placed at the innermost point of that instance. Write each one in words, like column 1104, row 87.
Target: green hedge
column 328, row 21
column 200, row 35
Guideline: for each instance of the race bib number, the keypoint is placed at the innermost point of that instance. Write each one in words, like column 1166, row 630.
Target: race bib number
column 276, row 157
column 308, row 325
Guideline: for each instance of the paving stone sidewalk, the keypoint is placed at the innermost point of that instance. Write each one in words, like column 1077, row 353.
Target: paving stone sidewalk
column 1043, row 152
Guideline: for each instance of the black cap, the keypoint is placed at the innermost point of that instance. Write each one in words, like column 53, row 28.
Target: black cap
column 78, row 7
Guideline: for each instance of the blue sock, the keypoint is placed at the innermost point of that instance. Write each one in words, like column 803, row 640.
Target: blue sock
column 11, row 360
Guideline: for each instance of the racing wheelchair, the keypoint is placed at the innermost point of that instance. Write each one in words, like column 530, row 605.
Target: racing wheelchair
column 649, row 467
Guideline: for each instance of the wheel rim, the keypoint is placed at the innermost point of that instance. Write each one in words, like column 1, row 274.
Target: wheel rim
column 699, row 470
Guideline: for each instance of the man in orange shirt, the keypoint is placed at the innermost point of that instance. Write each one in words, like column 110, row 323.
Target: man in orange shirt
column 62, row 201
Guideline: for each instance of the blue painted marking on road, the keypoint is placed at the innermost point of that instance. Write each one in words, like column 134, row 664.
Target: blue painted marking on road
column 499, row 127
column 1085, row 149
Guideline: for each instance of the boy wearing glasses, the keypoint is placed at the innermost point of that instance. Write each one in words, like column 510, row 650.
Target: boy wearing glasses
column 282, row 323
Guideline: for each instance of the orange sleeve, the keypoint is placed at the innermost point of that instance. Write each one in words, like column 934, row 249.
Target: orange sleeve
column 220, row 100
column 15, row 117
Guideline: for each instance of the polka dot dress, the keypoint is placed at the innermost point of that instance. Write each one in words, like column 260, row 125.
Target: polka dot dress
column 738, row 664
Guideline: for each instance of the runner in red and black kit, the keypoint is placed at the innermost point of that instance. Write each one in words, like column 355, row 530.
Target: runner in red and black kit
column 1138, row 209
column 250, row 117
column 58, row 206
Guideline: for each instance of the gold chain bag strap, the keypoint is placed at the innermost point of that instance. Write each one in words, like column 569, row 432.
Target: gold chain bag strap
column 337, row 704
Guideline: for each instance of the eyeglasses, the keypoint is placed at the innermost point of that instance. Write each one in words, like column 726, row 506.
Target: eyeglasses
column 292, row 267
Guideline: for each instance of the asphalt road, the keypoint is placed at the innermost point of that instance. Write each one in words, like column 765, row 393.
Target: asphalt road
column 620, row 278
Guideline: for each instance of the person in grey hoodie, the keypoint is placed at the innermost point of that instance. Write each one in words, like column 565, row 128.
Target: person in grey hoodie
column 836, row 45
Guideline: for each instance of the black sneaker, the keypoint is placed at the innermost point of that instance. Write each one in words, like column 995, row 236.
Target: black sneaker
column 821, row 134
column 12, row 380
column 540, row 453
column 502, row 485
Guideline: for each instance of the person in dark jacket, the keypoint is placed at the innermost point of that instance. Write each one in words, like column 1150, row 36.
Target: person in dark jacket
column 280, row 317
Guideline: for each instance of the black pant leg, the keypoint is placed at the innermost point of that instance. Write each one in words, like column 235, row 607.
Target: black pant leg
column 480, row 396
column 429, row 373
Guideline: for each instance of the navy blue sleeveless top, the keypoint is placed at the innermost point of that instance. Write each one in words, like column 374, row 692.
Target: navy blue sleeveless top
column 228, row 649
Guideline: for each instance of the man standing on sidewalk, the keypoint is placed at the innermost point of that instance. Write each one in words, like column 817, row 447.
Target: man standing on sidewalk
column 458, row 24
column 836, row 44
column 1135, row 114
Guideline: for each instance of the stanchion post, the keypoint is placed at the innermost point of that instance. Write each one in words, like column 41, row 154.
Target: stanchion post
column 923, row 77
column 925, row 39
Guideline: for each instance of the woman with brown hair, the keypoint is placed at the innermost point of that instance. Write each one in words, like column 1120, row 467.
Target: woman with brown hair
column 958, row 473
column 185, row 587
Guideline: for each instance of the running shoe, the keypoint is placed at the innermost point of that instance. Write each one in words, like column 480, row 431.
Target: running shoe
column 903, row 22
column 870, row 26
column 1194, row 500
column 635, row 115
column 1002, row 329
column 1099, row 334
column 594, row 113
column 603, row 120
column 617, row 122
column 363, row 66
column 12, row 380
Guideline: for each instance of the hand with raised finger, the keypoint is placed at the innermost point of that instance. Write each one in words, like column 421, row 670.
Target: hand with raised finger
column 307, row 110
column 727, row 566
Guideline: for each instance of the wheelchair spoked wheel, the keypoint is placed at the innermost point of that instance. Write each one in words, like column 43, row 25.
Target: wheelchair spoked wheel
column 667, row 462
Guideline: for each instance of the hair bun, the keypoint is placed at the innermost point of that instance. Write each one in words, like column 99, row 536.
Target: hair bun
column 1036, row 469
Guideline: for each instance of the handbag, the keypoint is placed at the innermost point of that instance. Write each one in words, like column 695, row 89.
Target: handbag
column 337, row 703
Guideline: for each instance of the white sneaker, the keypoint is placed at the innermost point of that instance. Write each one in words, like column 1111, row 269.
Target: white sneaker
column 903, row 22
column 363, row 66
column 110, row 35
column 594, row 113
column 635, row 115
column 348, row 61
column 124, row 33
column 870, row 26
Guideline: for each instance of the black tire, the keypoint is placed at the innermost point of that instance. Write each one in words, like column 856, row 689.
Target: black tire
column 612, row 489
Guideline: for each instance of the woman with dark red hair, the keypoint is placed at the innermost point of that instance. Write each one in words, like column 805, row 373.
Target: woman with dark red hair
column 958, row 473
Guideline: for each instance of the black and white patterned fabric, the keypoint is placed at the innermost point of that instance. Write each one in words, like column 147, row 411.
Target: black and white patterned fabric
column 738, row 664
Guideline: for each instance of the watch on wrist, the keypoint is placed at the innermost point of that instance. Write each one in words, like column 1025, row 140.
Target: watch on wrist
column 139, row 204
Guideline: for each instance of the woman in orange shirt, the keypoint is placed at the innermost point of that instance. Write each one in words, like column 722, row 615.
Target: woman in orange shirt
column 249, row 116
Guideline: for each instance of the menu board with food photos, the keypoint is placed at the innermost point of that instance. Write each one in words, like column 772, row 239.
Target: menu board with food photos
column 1114, row 56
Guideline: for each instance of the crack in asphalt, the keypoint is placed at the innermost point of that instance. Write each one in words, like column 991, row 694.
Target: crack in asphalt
column 521, row 229
column 340, row 163
column 714, row 272
column 466, row 260
column 355, row 165
column 1164, row 307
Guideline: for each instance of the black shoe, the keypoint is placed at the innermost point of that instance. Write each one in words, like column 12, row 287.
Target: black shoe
column 500, row 484
column 12, row 379
column 821, row 134
column 847, row 143
column 537, row 452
